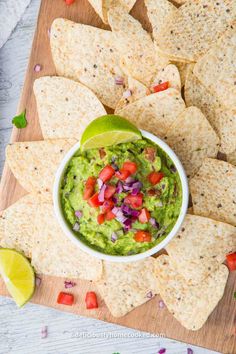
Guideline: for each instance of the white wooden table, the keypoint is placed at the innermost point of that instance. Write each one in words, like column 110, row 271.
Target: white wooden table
column 20, row 329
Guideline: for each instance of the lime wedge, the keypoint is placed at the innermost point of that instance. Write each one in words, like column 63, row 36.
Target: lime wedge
column 108, row 130
column 17, row 274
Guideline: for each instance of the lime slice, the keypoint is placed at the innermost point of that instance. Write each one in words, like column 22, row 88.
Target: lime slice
column 17, row 274
column 108, row 130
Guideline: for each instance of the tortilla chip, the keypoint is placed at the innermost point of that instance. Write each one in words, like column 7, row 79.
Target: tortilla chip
column 156, row 112
column 125, row 286
column 193, row 28
column 72, row 44
column 217, row 69
column 102, row 6
column 231, row 158
column 191, row 305
column 19, row 224
column 192, row 138
column 213, row 191
column 54, row 254
column 135, row 46
column 197, row 95
column 35, row 163
column 200, row 246
column 65, row 107
column 136, row 90
column 159, row 13
column 171, row 74
column 183, row 69
column 227, row 130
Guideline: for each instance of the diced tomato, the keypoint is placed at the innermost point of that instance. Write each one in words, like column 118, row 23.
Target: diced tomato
column 65, row 298
column 144, row 216
column 110, row 215
column 130, row 166
column 89, row 187
column 107, row 205
column 69, row 2
column 109, row 191
column 122, row 174
column 150, row 153
column 100, row 219
column 161, row 87
column 106, row 173
column 94, row 201
column 142, row 236
column 91, row 300
column 231, row 261
column 155, row 177
column 135, row 201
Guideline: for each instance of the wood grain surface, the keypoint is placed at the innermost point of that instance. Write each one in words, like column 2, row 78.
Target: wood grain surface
column 219, row 331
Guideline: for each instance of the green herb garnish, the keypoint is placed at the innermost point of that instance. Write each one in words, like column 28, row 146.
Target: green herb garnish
column 20, row 120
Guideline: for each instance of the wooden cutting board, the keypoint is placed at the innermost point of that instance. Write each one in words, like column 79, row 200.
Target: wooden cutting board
column 219, row 331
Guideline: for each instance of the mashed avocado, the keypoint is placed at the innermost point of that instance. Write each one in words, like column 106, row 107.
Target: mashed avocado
column 163, row 200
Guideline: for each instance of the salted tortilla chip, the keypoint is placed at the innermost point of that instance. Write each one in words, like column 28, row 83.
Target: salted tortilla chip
column 197, row 95
column 156, row 112
column 54, row 254
column 192, row 138
column 171, row 74
column 65, row 107
column 18, row 224
column 231, row 158
column 125, row 286
column 213, row 191
column 159, row 13
column 102, row 6
column 191, row 305
column 135, row 46
column 227, row 130
column 35, row 163
column 200, row 246
column 135, row 91
column 87, row 54
column 217, row 69
column 190, row 32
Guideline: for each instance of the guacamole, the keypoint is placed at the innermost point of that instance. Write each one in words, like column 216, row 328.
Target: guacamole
column 122, row 199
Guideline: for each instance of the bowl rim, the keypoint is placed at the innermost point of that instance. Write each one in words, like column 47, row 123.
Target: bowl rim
column 113, row 258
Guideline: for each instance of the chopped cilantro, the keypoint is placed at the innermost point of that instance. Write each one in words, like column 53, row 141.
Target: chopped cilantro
column 20, row 120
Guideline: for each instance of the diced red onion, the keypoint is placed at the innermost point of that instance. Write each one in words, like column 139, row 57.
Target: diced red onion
column 76, row 226
column 44, row 332
column 129, row 211
column 119, row 80
column 100, row 183
column 101, row 194
column 114, row 199
column 173, row 169
column 37, row 68
column 162, row 351
column 69, row 284
column 189, row 351
column 78, row 214
column 163, row 186
column 119, row 187
column 37, row 281
column 161, row 304
column 149, row 295
column 154, row 223
column 127, row 224
column 127, row 188
column 121, row 217
column 127, row 93
column 135, row 191
column 113, row 237
column 129, row 180
column 115, row 210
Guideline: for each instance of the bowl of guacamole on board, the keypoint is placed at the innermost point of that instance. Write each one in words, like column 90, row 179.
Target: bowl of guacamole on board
column 122, row 202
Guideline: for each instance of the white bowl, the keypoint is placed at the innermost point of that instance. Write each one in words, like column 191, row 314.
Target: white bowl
column 69, row 233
